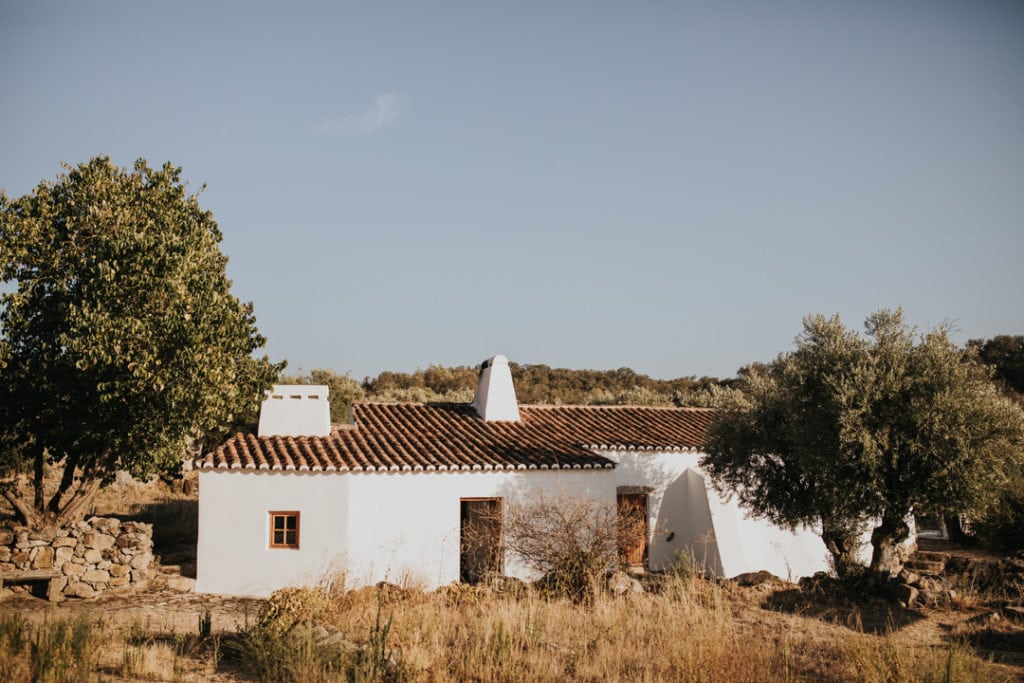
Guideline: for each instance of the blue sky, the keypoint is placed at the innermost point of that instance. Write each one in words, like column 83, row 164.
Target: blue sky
column 668, row 186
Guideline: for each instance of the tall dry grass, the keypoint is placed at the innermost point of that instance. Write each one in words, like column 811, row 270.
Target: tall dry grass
column 692, row 630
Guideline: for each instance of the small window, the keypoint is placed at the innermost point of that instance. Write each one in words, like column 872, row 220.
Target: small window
column 284, row 529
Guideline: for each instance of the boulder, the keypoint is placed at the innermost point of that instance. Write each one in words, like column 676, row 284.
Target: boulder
column 96, row 576
column 181, row 583
column 141, row 561
column 906, row 594
column 43, row 559
column 620, row 583
column 73, row 569
column 80, row 590
column 92, row 556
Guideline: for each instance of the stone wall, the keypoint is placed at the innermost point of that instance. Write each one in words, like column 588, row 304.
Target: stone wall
column 93, row 556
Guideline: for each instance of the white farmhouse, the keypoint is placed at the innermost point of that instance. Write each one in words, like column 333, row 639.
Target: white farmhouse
column 387, row 496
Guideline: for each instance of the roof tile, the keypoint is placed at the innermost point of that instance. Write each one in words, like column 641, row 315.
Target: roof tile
column 446, row 436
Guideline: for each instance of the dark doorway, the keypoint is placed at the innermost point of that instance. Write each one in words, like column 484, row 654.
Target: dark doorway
column 633, row 530
column 480, row 538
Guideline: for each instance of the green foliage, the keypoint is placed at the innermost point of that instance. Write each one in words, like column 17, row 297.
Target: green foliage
column 121, row 343
column 541, row 384
column 847, row 429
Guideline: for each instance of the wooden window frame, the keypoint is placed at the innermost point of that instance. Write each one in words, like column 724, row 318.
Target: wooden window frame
column 285, row 514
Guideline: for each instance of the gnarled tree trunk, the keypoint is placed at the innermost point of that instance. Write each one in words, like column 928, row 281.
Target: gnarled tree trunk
column 886, row 558
column 842, row 542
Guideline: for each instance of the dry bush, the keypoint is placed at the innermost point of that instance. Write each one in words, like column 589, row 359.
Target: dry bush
column 571, row 541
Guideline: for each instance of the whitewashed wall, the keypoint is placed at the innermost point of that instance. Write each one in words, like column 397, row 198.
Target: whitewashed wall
column 404, row 527
column 683, row 509
column 234, row 555
column 401, row 527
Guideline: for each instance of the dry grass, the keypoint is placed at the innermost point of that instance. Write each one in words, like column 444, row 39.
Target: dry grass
column 692, row 631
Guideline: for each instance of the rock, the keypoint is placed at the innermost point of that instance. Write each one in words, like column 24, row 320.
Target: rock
column 21, row 559
column 73, row 569
column 45, row 535
column 119, row 581
column 181, row 583
column 5, row 553
column 930, row 583
column 98, row 541
column 139, row 575
column 64, row 542
column 34, row 544
column 43, row 559
column 59, row 584
column 80, row 590
column 756, row 579
column 92, row 556
column 129, row 541
column 96, row 576
column 907, row 576
column 62, row 555
column 6, row 537
column 620, row 583
column 106, row 525
column 141, row 561
column 118, row 570
column 142, row 528
column 906, row 594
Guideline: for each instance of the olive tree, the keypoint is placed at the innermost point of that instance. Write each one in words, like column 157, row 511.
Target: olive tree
column 847, row 431
column 120, row 341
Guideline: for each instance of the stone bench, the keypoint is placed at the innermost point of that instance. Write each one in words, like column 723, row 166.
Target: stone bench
column 51, row 575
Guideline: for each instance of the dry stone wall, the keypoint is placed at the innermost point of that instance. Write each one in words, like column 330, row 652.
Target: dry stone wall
column 93, row 556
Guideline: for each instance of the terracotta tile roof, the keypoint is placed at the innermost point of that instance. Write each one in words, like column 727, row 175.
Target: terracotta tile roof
column 390, row 437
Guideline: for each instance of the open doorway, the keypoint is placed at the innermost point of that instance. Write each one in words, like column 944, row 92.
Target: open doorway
column 479, row 538
column 633, row 530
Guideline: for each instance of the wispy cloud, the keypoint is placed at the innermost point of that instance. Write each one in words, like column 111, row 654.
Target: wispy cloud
column 384, row 111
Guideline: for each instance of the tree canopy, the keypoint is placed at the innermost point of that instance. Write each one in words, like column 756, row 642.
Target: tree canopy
column 119, row 338
column 850, row 430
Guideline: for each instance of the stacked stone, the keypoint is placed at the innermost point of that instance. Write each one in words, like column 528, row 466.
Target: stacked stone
column 93, row 556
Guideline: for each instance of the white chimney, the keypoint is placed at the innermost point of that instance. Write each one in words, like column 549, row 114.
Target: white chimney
column 495, row 396
column 295, row 410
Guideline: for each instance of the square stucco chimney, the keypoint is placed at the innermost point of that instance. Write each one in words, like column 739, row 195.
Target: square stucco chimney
column 495, row 396
column 295, row 410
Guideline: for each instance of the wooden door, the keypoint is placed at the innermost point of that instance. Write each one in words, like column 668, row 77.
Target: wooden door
column 633, row 529
column 480, row 538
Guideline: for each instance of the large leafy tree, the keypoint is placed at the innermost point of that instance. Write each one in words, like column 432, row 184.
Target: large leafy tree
column 120, row 342
column 850, row 430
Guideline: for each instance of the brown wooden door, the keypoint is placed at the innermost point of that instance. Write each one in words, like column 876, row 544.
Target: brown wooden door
column 480, row 538
column 633, row 529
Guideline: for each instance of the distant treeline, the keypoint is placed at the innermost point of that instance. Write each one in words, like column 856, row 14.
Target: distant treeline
column 542, row 384
column 535, row 384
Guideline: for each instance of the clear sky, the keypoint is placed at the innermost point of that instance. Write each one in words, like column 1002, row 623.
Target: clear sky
column 668, row 186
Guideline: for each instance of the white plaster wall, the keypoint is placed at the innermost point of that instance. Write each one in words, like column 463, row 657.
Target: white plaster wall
column 401, row 527
column 405, row 526
column 234, row 555
column 686, row 514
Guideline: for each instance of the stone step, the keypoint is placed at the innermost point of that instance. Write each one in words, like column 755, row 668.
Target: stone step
column 926, row 566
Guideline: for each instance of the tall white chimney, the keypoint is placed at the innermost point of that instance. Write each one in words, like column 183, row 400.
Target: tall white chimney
column 495, row 396
column 295, row 410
